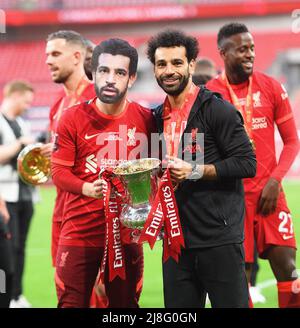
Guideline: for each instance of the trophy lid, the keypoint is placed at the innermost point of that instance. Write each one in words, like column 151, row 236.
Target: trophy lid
column 137, row 166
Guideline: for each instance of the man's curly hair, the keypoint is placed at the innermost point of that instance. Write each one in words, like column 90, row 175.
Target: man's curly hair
column 173, row 38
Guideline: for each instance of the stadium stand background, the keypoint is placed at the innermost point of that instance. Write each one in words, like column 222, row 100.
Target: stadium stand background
column 275, row 25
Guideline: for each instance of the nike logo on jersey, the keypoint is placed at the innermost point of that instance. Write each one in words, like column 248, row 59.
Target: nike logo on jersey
column 87, row 137
column 285, row 237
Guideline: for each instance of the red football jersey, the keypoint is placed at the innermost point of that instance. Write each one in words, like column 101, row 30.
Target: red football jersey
column 270, row 105
column 88, row 140
column 84, row 92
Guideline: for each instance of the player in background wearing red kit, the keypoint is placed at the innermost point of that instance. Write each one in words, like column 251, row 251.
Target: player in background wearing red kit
column 263, row 103
column 90, row 46
column 65, row 55
column 86, row 136
column 65, row 51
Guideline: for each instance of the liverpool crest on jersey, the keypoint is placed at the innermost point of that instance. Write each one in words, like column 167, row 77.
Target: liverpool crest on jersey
column 256, row 99
column 131, row 137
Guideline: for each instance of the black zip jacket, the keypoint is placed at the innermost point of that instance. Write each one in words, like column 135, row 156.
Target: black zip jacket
column 212, row 212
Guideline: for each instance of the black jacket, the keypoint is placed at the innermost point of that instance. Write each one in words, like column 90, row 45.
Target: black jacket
column 212, row 212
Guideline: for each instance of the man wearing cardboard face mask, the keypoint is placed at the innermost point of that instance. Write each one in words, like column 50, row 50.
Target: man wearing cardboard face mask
column 77, row 161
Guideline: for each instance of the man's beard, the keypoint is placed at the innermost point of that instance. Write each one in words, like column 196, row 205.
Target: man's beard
column 241, row 73
column 62, row 78
column 109, row 99
column 177, row 91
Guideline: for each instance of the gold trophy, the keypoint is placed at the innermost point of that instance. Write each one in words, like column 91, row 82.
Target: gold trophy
column 33, row 167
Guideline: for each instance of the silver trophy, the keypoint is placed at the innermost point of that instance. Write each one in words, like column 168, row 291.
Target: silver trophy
column 139, row 178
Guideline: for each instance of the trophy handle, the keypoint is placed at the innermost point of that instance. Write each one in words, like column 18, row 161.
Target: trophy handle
column 126, row 199
column 101, row 173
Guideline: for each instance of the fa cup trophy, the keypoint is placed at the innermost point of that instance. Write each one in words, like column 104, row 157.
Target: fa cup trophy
column 139, row 178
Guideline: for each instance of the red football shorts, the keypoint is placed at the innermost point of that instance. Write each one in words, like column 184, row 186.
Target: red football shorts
column 274, row 229
column 56, row 228
column 77, row 269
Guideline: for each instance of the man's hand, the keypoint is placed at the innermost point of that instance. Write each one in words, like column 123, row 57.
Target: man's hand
column 4, row 211
column 46, row 149
column 269, row 196
column 95, row 189
column 179, row 169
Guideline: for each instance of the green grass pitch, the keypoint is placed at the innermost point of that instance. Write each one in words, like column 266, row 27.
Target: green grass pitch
column 38, row 277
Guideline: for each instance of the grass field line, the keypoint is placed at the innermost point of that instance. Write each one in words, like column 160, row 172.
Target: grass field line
column 266, row 284
column 270, row 282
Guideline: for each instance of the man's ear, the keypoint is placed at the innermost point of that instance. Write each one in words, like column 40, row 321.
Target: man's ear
column 192, row 65
column 77, row 55
column 132, row 79
column 224, row 48
column 222, row 53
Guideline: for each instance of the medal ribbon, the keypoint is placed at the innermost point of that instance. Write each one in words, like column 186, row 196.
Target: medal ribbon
column 173, row 140
column 113, row 241
column 247, row 110
column 164, row 211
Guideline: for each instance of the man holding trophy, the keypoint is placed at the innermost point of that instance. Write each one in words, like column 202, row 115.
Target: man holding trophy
column 14, row 136
column 92, row 136
column 208, row 185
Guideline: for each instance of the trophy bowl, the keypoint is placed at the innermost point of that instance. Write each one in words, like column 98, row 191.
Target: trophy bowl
column 33, row 167
column 139, row 178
